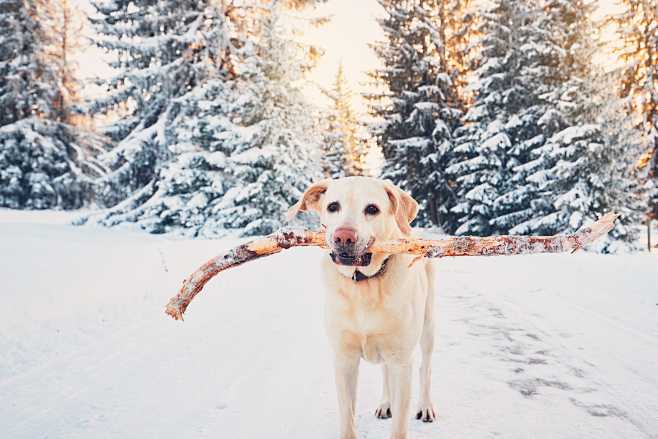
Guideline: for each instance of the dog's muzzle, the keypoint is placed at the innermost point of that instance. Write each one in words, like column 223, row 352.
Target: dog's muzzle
column 344, row 258
column 345, row 248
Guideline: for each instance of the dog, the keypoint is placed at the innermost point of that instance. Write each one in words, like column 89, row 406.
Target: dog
column 379, row 307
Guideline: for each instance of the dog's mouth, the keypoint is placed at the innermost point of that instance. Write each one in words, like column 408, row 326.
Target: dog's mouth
column 351, row 260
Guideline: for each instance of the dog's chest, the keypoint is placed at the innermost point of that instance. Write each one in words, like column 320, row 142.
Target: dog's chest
column 367, row 320
column 371, row 315
column 374, row 331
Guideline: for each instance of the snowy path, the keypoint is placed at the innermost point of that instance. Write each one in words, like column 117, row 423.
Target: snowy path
column 541, row 347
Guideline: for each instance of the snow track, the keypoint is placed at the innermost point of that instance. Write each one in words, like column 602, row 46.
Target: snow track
column 539, row 346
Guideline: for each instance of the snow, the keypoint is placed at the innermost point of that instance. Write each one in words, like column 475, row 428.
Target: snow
column 546, row 346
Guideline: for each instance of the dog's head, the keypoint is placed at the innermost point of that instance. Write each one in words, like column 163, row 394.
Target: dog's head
column 357, row 211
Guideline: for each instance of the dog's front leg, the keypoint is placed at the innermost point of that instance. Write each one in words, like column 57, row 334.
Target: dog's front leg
column 400, row 398
column 347, row 372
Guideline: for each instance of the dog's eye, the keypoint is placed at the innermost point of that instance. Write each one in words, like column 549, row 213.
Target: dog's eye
column 334, row 206
column 371, row 209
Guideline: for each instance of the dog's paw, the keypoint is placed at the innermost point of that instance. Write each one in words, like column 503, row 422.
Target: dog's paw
column 426, row 413
column 383, row 411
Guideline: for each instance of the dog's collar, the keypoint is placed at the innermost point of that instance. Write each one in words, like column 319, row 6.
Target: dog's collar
column 357, row 276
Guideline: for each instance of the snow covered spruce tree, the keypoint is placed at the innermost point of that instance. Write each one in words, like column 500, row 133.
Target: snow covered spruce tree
column 622, row 181
column 214, row 130
column 43, row 163
column 555, row 58
column 343, row 151
column 283, row 155
column 501, row 123
column 161, row 51
column 535, row 159
column 418, row 106
column 332, row 150
column 457, row 31
column 66, row 26
column 531, row 112
column 637, row 28
column 581, row 170
column 25, row 86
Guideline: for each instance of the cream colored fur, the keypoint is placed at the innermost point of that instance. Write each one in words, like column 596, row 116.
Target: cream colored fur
column 383, row 319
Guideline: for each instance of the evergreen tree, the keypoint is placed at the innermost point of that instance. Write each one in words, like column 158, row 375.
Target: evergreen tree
column 283, row 157
column 343, row 152
column 184, row 192
column 501, row 123
column 25, row 77
column 66, row 25
column 621, row 179
column 43, row 164
column 458, row 33
column 419, row 104
column 652, row 184
column 583, row 170
column 535, row 158
column 532, row 119
column 161, row 51
column 558, row 62
column 332, row 150
column 637, row 27
column 232, row 145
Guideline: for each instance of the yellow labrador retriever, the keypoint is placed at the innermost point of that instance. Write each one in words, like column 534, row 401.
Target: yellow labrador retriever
column 379, row 306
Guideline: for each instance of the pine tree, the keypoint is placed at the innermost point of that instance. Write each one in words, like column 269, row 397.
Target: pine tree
column 26, row 79
column 186, row 189
column 536, row 159
column 501, row 123
column 161, row 50
column 419, row 106
column 556, row 60
column 583, row 169
column 343, row 152
column 283, row 157
column 332, row 150
column 637, row 27
column 43, row 163
column 458, row 33
column 532, row 119
column 66, row 25
column 621, row 179
column 232, row 144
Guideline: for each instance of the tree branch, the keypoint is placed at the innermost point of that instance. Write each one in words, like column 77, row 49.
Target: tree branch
column 430, row 248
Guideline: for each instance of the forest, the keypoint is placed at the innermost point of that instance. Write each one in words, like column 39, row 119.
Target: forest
column 497, row 116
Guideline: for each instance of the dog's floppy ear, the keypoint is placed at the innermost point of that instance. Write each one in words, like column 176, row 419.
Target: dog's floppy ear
column 404, row 207
column 310, row 200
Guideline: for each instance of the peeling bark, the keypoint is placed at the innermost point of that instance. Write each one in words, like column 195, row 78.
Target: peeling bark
column 430, row 248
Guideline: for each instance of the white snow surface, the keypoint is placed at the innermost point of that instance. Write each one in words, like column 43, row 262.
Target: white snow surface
column 545, row 346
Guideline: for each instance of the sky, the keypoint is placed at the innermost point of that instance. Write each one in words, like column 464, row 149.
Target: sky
column 345, row 39
column 92, row 62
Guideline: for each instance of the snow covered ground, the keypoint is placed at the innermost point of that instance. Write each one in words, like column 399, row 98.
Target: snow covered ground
column 529, row 347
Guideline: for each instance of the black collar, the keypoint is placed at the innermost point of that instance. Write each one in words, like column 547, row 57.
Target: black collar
column 358, row 276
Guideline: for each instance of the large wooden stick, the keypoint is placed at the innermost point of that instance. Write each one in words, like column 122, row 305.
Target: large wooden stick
column 430, row 248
